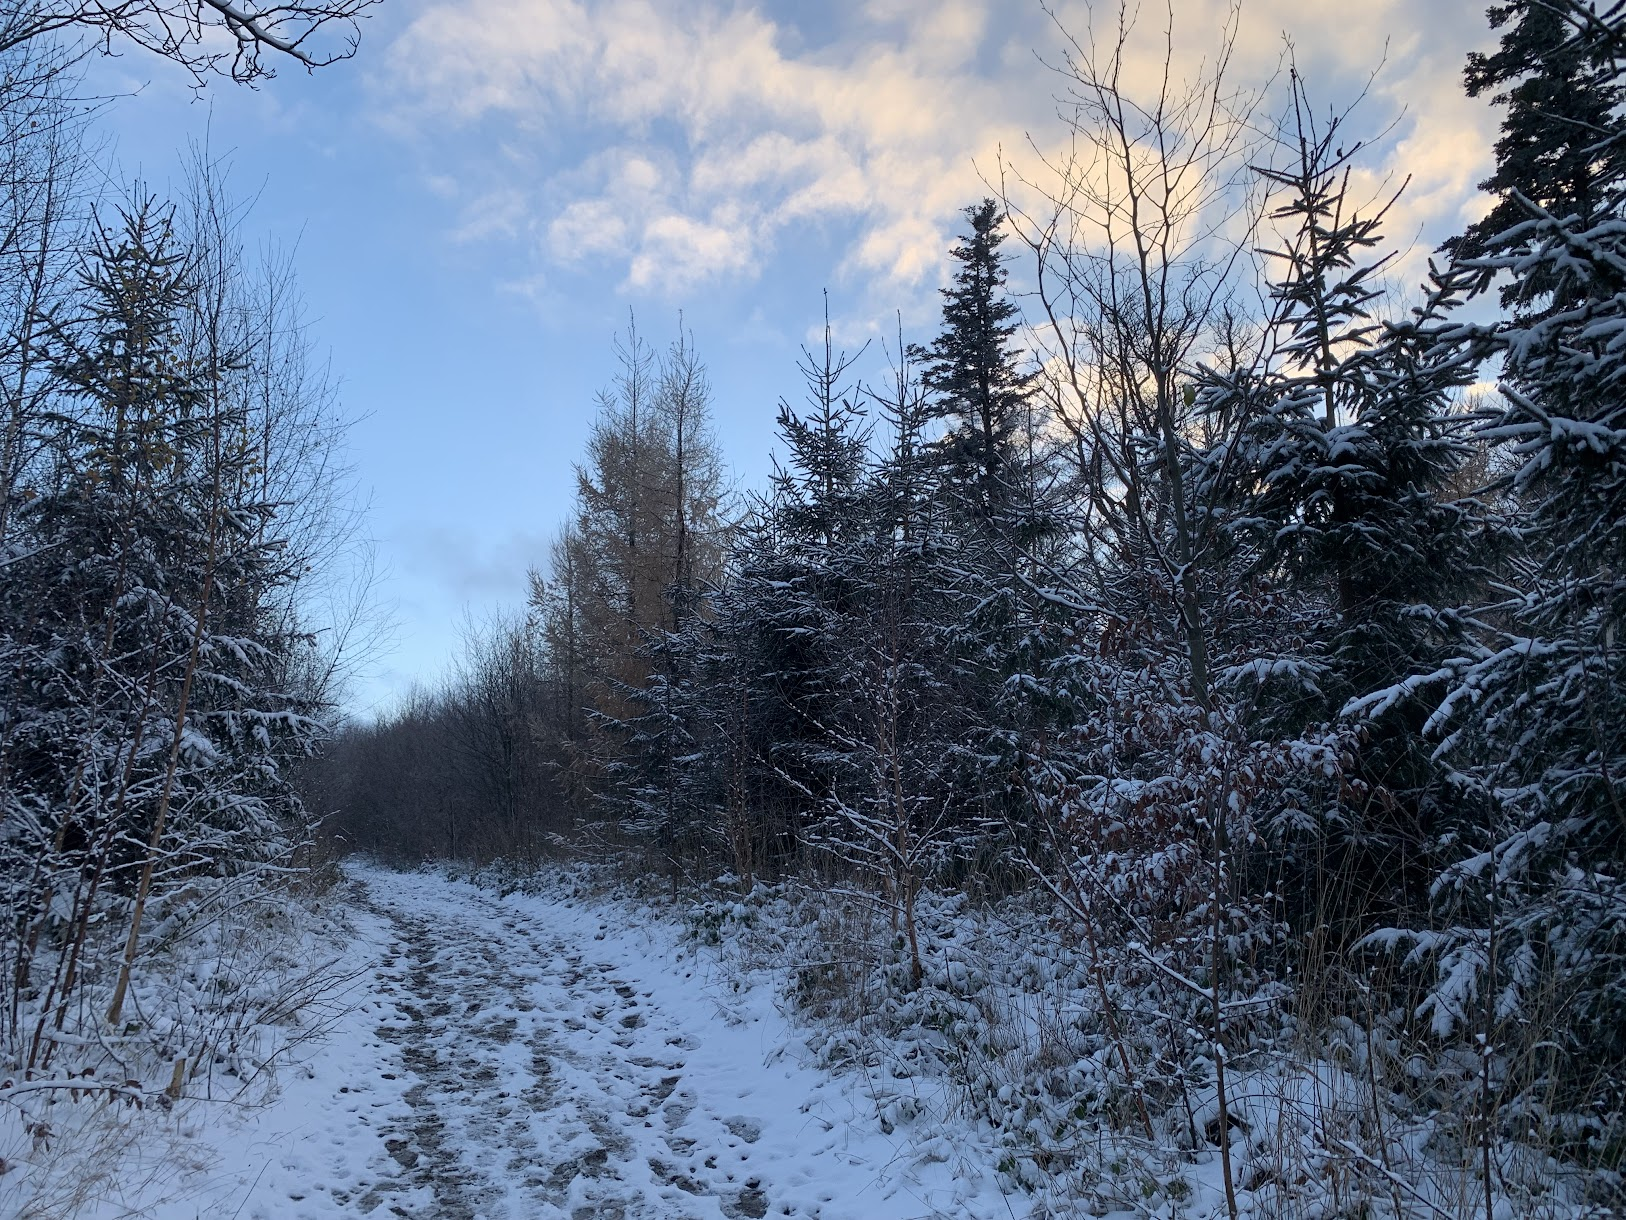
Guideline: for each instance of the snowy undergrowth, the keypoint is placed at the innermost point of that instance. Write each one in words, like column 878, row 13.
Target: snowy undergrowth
column 1094, row 1093
column 231, row 986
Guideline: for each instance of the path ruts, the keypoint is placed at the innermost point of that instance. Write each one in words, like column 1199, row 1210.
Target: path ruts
column 540, row 1084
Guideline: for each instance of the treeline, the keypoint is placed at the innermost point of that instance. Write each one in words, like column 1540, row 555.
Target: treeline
column 512, row 756
column 178, row 546
column 1220, row 603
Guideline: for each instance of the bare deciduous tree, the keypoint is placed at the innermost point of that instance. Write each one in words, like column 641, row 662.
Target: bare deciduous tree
column 1136, row 233
column 240, row 40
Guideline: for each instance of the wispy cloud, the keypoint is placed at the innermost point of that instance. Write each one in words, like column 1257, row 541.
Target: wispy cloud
column 464, row 566
column 685, row 142
column 695, row 137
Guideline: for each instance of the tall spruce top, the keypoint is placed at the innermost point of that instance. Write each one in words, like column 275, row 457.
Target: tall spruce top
column 972, row 367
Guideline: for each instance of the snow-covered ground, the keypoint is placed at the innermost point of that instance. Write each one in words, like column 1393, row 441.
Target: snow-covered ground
column 532, row 1056
column 467, row 1051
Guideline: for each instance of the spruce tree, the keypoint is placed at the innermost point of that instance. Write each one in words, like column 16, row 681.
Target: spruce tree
column 817, row 490
column 1337, row 449
column 973, row 371
column 803, row 578
column 1532, row 958
column 1332, row 475
column 1563, row 136
column 143, row 647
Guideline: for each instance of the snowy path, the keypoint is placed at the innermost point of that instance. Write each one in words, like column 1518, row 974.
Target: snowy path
column 542, row 1077
column 521, row 1057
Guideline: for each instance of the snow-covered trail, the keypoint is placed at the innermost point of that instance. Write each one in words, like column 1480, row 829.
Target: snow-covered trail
column 543, row 1079
column 515, row 1057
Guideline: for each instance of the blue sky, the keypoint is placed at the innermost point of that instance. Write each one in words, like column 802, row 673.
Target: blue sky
column 481, row 196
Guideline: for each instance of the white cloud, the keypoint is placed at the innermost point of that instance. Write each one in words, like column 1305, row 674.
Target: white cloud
column 680, row 250
column 742, row 138
column 684, row 141
column 589, row 226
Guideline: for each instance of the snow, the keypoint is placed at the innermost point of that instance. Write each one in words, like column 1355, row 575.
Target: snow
column 555, row 1052
column 527, row 1055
